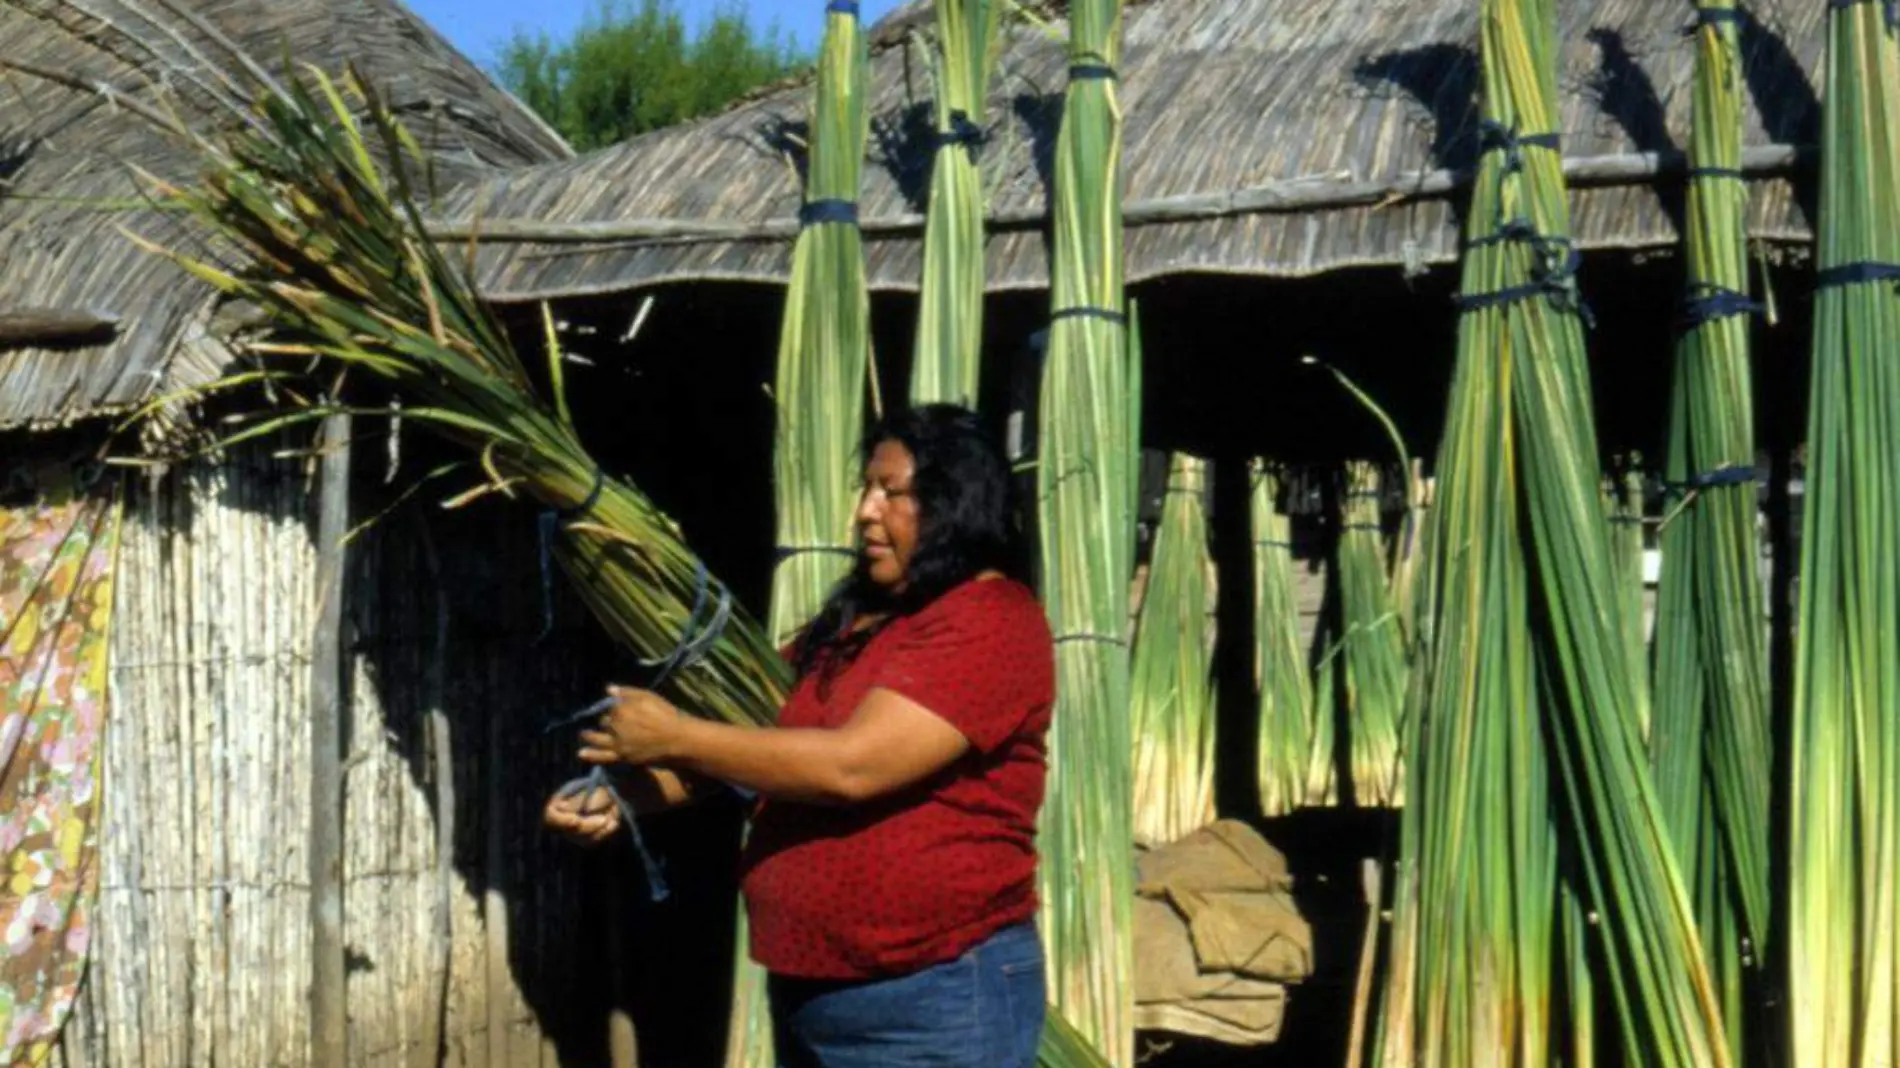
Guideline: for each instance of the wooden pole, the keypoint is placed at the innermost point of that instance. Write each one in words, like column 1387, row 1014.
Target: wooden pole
column 1318, row 193
column 329, row 1015
column 1368, row 963
column 22, row 327
column 431, row 1052
column 500, row 992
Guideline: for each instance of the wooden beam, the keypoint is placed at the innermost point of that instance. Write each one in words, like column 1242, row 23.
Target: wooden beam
column 329, row 990
column 36, row 327
column 499, row 996
column 431, row 1051
column 1321, row 193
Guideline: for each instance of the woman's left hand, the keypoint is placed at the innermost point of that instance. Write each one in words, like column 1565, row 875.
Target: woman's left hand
column 640, row 729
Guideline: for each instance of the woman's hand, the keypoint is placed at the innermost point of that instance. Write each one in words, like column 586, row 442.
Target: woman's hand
column 589, row 817
column 642, row 728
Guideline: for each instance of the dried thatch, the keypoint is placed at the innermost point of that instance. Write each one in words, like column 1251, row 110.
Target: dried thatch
column 65, row 153
column 1223, row 96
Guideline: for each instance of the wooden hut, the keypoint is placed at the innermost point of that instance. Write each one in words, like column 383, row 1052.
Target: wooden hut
column 462, row 930
column 1296, row 176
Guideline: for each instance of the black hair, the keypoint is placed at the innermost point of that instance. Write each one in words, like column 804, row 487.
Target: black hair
column 966, row 524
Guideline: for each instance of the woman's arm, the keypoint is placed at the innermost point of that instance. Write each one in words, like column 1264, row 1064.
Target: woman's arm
column 889, row 742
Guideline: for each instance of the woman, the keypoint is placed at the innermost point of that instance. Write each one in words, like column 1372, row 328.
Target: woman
column 890, row 873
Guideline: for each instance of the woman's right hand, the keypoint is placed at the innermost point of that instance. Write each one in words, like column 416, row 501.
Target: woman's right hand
column 589, row 817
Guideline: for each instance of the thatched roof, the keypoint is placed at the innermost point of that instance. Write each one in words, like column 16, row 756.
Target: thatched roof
column 1359, row 98
column 67, row 257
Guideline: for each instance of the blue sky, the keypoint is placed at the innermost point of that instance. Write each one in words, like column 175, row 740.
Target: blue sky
column 478, row 26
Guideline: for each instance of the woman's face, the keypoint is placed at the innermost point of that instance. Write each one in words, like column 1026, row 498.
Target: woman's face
column 887, row 514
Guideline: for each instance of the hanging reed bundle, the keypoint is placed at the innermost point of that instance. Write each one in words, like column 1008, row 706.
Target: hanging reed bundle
column 823, row 360
column 1172, row 691
column 313, row 213
column 1709, row 739
column 824, row 344
column 1374, row 644
column 1295, row 741
column 1529, row 708
column 1086, row 478
column 946, row 362
column 1844, row 825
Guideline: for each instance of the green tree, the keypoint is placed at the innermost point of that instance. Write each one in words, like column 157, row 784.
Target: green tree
column 633, row 67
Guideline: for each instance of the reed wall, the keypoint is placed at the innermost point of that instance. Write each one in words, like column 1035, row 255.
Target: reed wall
column 202, row 955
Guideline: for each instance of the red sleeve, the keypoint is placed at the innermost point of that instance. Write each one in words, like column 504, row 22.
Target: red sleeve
column 975, row 664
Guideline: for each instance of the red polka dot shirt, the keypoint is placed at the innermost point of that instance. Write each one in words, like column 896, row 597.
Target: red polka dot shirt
column 920, row 876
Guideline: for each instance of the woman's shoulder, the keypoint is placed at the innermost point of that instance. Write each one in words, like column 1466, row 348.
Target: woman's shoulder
column 1000, row 603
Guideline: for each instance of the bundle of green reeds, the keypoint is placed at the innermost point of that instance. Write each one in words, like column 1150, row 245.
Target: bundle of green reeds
column 324, row 238
column 1844, row 825
column 1373, row 646
column 1529, row 710
column 1294, row 758
column 946, row 363
column 824, row 345
column 823, row 358
column 1086, row 477
column 1709, row 734
column 1172, row 691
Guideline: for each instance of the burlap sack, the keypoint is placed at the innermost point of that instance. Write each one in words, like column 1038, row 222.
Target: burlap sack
column 1224, row 855
column 1216, row 936
column 1257, row 935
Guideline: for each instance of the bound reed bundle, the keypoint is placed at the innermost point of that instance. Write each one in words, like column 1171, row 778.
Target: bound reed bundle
column 1086, row 475
column 1373, row 646
column 1172, row 691
column 824, row 346
column 1844, row 828
column 823, row 356
column 1519, row 573
column 326, row 241
column 1709, row 739
column 946, row 363
column 1295, row 741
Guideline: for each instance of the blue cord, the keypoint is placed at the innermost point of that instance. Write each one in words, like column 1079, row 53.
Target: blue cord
column 697, row 638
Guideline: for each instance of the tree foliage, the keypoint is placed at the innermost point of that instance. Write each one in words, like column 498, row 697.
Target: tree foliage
column 633, row 66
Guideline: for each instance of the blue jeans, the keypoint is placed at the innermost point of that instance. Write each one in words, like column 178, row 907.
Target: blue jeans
column 981, row 1010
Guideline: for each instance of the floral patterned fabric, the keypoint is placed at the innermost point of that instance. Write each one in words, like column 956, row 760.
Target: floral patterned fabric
column 57, row 543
